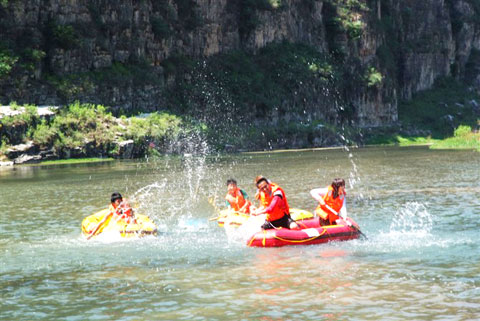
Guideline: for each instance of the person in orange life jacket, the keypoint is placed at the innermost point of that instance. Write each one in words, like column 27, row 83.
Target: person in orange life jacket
column 236, row 198
column 330, row 198
column 120, row 210
column 274, row 203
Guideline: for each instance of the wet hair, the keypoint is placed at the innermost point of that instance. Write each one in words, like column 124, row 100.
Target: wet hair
column 336, row 184
column 231, row 181
column 115, row 196
column 259, row 179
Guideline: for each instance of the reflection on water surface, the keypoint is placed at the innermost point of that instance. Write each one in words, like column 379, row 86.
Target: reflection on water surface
column 418, row 207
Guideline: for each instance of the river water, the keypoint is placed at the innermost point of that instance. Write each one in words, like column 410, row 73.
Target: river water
column 418, row 207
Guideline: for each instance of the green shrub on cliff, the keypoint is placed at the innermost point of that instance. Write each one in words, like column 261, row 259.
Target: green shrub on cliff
column 28, row 116
column 43, row 134
column 7, row 61
column 346, row 16
column 13, row 129
column 31, row 58
column 82, row 126
column 374, row 78
column 157, row 126
column 3, row 147
column 76, row 125
column 72, row 86
column 63, row 36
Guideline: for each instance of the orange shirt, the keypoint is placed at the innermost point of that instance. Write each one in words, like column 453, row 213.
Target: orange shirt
column 123, row 210
column 281, row 208
column 334, row 203
column 237, row 201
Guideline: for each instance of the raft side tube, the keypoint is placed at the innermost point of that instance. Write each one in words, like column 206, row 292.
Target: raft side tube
column 310, row 233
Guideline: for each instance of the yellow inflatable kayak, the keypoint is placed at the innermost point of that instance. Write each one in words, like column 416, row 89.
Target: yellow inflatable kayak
column 143, row 225
column 236, row 218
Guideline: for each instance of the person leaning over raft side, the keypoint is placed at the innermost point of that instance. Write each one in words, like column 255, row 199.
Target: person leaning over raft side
column 119, row 208
column 330, row 198
column 237, row 198
column 273, row 203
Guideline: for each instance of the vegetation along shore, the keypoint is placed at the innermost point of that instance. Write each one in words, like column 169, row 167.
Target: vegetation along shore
column 443, row 117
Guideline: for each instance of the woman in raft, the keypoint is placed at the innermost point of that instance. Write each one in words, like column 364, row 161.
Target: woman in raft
column 331, row 202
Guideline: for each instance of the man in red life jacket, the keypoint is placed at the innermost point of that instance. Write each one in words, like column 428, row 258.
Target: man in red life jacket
column 237, row 199
column 120, row 210
column 274, row 203
column 331, row 202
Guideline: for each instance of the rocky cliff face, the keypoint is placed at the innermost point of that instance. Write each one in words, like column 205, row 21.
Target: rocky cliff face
column 389, row 49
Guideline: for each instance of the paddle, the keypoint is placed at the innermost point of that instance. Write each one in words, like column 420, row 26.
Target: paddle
column 211, row 200
column 348, row 223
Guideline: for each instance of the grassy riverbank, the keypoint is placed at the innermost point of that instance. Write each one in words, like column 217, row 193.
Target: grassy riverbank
column 463, row 138
column 444, row 117
column 75, row 161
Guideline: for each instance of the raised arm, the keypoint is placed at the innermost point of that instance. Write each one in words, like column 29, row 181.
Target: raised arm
column 99, row 225
column 318, row 193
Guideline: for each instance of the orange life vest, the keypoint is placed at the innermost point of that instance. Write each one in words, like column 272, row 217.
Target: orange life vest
column 335, row 203
column 239, row 201
column 123, row 211
column 265, row 199
column 278, row 212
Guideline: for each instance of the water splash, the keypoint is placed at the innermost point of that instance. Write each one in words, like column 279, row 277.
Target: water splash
column 348, row 146
column 410, row 229
column 216, row 110
column 412, row 218
column 245, row 231
column 172, row 202
column 109, row 237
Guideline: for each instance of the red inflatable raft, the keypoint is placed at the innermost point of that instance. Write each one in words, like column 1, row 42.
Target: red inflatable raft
column 310, row 233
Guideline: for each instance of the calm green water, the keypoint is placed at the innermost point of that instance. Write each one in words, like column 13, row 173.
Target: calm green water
column 419, row 208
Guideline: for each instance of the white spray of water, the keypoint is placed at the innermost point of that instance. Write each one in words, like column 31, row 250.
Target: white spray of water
column 245, row 231
column 173, row 199
column 354, row 176
column 410, row 229
column 412, row 218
